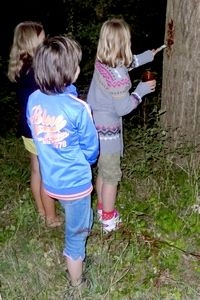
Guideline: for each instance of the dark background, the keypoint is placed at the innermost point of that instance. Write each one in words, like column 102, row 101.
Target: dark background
column 50, row 13
column 148, row 16
column 83, row 19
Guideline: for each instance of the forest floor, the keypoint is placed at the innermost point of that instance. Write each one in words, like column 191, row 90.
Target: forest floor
column 154, row 255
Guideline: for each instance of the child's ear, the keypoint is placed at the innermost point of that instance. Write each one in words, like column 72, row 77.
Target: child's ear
column 76, row 74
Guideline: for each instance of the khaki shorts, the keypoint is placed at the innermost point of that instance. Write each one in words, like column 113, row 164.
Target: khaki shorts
column 29, row 145
column 109, row 168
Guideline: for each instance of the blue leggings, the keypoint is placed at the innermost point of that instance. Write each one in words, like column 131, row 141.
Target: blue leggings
column 78, row 223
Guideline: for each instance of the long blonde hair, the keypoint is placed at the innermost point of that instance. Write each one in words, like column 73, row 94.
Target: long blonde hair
column 27, row 36
column 114, row 46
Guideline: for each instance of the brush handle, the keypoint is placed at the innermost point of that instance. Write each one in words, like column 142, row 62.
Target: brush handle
column 160, row 48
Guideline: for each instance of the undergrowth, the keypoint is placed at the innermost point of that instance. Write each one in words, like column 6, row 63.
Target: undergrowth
column 154, row 255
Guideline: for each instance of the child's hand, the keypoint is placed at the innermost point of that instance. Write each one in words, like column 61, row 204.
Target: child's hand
column 144, row 88
column 155, row 51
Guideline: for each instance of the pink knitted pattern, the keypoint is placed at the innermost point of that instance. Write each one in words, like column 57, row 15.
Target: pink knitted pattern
column 110, row 79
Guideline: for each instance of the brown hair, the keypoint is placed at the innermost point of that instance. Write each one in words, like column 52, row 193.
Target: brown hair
column 55, row 63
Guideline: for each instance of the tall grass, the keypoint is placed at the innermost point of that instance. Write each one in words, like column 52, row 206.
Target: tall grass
column 154, row 255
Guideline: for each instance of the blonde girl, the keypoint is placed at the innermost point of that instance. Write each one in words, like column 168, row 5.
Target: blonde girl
column 110, row 98
column 27, row 36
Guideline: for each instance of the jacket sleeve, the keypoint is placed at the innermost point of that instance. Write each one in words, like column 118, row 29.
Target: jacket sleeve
column 142, row 59
column 28, row 113
column 88, row 136
column 123, row 102
column 116, row 83
column 125, row 105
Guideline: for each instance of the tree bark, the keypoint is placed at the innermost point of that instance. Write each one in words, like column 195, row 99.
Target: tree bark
column 181, row 72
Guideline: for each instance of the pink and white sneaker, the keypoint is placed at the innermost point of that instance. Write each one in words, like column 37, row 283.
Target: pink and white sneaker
column 111, row 224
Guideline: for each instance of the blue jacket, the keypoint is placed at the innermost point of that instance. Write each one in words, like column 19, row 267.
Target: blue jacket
column 67, row 142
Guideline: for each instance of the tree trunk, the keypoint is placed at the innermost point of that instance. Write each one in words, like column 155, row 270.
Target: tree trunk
column 181, row 72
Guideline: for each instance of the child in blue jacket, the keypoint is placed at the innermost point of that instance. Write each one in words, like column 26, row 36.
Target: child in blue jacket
column 67, row 142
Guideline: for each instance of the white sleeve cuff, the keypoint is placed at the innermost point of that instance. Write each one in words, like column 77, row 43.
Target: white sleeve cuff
column 137, row 97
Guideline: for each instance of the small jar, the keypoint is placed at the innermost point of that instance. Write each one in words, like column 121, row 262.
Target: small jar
column 148, row 75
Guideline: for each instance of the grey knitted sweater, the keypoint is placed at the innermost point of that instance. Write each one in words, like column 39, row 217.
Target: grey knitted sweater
column 109, row 98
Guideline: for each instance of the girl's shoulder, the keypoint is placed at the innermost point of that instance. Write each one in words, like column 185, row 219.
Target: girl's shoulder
column 117, row 73
column 26, row 80
column 112, row 78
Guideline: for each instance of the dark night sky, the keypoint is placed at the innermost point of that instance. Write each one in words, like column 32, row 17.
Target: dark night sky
column 52, row 14
column 12, row 12
column 148, row 34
